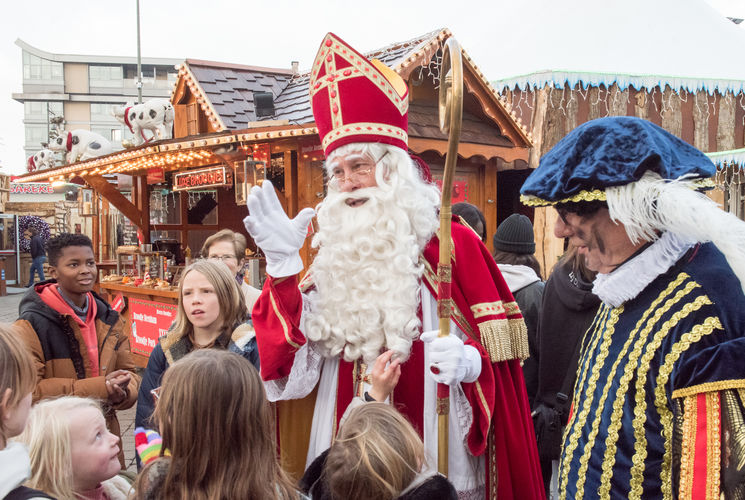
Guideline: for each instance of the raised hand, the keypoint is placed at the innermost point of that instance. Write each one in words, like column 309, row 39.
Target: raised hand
column 278, row 237
column 384, row 378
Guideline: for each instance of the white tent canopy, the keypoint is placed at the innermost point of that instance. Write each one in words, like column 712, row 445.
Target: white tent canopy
column 683, row 43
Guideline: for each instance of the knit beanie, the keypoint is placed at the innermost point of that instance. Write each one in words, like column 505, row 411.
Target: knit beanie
column 515, row 235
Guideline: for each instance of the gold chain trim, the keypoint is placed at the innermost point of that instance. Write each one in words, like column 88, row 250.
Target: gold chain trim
column 606, row 334
column 661, row 403
column 487, row 309
column 719, row 385
column 615, row 420
column 640, row 409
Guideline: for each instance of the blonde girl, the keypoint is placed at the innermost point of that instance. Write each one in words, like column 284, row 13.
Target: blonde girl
column 217, row 425
column 17, row 381
column 73, row 455
column 211, row 314
column 376, row 455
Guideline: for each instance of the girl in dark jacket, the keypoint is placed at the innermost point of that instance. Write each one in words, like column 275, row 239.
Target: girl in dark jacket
column 211, row 314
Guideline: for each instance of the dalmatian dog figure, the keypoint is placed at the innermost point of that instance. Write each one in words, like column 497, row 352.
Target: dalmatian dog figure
column 42, row 160
column 81, row 145
column 155, row 115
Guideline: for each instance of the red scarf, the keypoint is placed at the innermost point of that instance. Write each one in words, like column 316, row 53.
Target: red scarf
column 51, row 296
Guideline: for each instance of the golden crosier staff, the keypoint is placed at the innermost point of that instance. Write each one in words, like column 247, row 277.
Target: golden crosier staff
column 451, row 115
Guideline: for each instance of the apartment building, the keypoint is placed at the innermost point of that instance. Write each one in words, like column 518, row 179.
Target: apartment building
column 82, row 89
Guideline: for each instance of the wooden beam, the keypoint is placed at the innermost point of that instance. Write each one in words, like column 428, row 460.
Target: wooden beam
column 143, row 205
column 112, row 194
column 467, row 149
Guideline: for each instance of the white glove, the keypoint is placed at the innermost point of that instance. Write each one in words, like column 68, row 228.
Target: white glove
column 450, row 361
column 278, row 237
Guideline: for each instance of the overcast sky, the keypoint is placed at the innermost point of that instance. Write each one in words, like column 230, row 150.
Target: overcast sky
column 505, row 38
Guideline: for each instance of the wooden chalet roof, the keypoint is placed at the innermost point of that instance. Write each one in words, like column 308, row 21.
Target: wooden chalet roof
column 227, row 91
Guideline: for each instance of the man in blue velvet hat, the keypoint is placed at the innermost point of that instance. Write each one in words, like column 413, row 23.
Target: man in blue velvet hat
column 657, row 408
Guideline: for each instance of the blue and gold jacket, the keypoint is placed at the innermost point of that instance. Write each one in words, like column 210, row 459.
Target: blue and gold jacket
column 657, row 407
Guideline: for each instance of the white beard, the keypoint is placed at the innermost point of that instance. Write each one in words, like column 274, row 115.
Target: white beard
column 367, row 271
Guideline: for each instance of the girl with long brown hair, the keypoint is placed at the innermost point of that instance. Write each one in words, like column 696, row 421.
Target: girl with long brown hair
column 211, row 314
column 217, row 425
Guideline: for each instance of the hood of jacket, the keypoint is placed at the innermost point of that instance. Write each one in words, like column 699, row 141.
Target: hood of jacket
column 572, row 290
column 517, row 277
column 15, row 467
column 33, row 303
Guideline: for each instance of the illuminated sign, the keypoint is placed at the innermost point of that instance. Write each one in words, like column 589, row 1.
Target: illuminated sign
column 196, row 179
column 31, row 188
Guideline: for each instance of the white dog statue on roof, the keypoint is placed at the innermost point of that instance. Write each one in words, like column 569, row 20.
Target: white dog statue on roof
column 81, row 145
column 42, row 160
column 155, row 115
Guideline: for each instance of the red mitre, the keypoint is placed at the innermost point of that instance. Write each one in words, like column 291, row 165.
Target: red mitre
column 356, row 100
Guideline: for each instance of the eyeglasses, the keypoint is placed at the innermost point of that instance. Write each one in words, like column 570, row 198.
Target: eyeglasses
column 357, row 174
column 222, row 257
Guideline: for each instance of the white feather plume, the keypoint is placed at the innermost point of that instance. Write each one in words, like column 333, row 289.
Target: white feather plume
column 653, row 205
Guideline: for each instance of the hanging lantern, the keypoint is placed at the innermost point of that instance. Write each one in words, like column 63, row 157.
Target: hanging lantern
column 248, row 173
column 87, row 202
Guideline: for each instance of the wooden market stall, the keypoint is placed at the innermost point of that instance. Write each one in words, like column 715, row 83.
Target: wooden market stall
column 236, row 125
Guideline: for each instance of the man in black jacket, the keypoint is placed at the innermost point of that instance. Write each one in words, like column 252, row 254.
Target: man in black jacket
column 38, row 255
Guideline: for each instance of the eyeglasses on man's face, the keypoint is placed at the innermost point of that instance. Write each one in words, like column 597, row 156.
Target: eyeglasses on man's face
column 360, row 170
column 223, row 258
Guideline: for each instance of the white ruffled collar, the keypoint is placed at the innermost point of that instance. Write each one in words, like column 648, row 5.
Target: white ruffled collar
column 633, row 276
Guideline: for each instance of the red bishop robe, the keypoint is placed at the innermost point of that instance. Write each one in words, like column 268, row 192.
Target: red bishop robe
column 501, row 428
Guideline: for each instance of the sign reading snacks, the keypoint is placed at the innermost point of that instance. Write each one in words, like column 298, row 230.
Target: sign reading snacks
column 203, row 178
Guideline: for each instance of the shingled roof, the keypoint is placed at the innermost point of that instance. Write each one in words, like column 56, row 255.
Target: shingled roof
column 228, row 89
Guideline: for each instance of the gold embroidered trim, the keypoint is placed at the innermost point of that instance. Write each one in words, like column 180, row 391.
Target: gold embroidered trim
column 640, row 409
column 457, row 315
column 361, row 68
column 591, row 195
column 719, row 385
column 282, row 322
column 511, row 308
column 445, row 273
column 492, row 460
column 690, row 414
column 661, row 403
column 504, row 339
column 484, row 404
column 713, row 446
column 620, row 396
column 364, row 128
column 734, row 439
column 606, row 334
column 594, row 195
column 487, row 309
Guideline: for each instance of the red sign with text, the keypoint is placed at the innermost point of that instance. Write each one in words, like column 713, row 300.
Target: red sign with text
column 148, row 322
column 208, row 177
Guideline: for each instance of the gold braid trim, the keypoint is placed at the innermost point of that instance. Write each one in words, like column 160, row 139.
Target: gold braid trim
column 690, row 413
column 672, row 425
column 595, row 195
column 713, row 446
column 487, row 309
column 719, row 385
column 504, row 339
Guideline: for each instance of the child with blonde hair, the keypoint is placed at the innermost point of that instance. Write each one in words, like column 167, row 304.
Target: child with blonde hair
column 377, row 454
column 218, row 428
column 17, row 382
column 73, row 455
column 211, row 314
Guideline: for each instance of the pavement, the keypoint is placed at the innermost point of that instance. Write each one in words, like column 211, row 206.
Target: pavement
column 9, row 313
